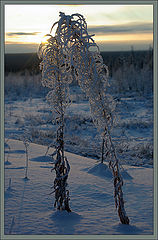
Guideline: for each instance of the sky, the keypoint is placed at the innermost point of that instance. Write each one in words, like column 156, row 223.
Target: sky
column 116, row 27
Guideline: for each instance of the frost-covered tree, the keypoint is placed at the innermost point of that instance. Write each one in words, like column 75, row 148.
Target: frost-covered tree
column 80, row 57
column 92, row 75
column 56, row 75
column 88, row 68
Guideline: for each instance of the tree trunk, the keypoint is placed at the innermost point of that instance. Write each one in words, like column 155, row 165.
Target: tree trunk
column 102, row 158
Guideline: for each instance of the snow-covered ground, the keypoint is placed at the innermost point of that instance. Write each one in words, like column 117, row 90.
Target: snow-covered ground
column 132, row 133
column 29, row 207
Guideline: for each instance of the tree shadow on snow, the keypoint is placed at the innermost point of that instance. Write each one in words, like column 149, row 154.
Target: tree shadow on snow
column 15, row 151
column 45, row 166
column 42, row 159
column 65, row 222
column 16, row 168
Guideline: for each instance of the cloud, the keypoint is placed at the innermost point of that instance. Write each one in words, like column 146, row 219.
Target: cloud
column 20, row 48
column 129, row 13
column 22, row 33
column 135, row 27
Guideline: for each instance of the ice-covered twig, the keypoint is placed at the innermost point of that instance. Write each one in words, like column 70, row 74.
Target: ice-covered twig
column 12, row 225
column 9, row 187
column 26, row 144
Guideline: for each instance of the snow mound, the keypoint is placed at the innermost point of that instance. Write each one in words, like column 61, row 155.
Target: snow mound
column 127, row 229
column 101, row 170
column 63, row 216
column 65, row 222
column 41, row 159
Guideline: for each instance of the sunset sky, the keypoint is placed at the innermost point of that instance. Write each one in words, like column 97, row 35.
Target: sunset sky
column 116, row 27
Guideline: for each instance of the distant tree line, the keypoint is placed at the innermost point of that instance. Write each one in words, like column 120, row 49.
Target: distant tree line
column 114, row 60
column 128, row 71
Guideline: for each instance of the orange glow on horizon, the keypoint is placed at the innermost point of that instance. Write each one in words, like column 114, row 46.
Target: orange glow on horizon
column 111, row 38
column 124, row 37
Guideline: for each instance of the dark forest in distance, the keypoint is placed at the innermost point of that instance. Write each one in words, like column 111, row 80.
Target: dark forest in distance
column 22, row 61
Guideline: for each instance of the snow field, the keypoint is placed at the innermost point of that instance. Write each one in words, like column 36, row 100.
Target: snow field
column 29, row 207
column 132, row 133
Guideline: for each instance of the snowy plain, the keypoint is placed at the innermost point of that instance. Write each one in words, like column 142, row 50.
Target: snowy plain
column 29, row 207
column 132, row 133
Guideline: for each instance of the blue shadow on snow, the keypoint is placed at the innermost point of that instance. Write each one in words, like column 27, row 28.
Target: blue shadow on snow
column 127, row 229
